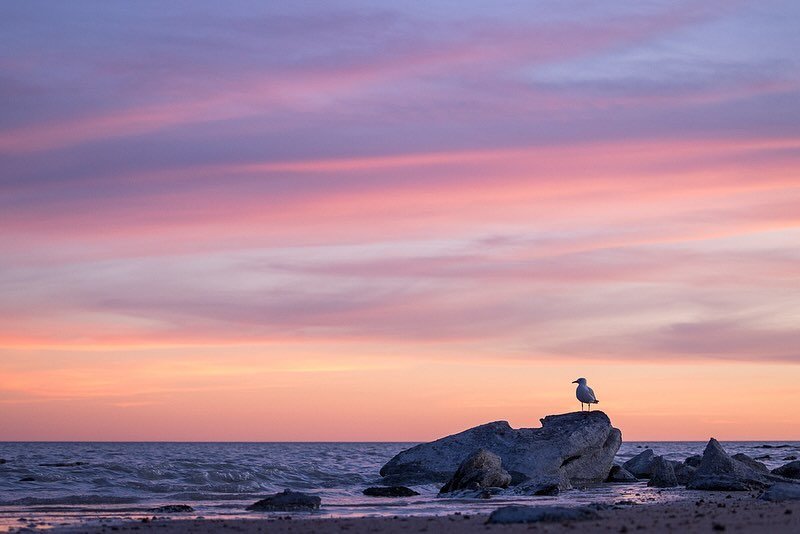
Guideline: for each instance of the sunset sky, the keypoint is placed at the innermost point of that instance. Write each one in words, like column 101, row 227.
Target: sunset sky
column 392, row 221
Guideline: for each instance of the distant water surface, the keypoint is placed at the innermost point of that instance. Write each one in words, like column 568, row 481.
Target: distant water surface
column 125, row 480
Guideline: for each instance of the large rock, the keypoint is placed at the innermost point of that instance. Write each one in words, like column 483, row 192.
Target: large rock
column 641, row 464
column 620, row 475
column 750, row 462
column 575, row 448
column 782, row 492
column 287, row 501
column 483, row 469
column 534, row 514
column 720, row 472
column 662, row 475
column 790, row 470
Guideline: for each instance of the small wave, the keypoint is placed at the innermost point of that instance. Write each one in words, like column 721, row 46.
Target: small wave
column 70, row 499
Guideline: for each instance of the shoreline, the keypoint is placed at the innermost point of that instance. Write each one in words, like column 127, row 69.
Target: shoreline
column 708, row 512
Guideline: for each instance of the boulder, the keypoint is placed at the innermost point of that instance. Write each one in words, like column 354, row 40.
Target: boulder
column 750, row 462
column 785, row 459
column 640, row 465
column 287, row 501
column 662, row 474
column 620, row 475
column 389, row 491
column 483, row 469
column 172, row 509
column 782, row 491
column 576, row 448
column 694, row 461
column 534, row 514
column 683, row 472
column 790, row 470
column 720, row 472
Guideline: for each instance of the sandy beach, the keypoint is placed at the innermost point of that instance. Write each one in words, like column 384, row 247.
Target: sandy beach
column 709, row 512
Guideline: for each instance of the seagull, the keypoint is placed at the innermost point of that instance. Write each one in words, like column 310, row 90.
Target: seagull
column 585, row 393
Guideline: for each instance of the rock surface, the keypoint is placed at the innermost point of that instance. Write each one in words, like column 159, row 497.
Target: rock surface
column 790, row 470
column 483, row 469
column 640, row 465
column 683, row 472
column 620, row 475
column 172, row 509
column 662, row 474
column 389, row 491
column 534, row 514
column 694, row 461
column 287, row 501
column 782, row 492
column 750, row 462
column 575, row 448
column 720, row 472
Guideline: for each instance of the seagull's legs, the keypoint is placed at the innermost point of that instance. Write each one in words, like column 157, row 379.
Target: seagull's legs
column 590, row 406
column 581, row 406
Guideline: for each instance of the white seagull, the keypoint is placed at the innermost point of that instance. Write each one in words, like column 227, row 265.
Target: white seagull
column 585, row 393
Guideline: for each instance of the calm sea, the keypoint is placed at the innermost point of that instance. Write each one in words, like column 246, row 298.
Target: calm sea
column 125, row 480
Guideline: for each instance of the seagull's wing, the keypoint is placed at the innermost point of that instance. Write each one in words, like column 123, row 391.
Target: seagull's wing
column 591, row 392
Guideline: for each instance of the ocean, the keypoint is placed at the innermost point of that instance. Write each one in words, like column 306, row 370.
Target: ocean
column 47, row 484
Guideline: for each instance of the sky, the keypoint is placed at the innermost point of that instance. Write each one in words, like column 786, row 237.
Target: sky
column 376, row 221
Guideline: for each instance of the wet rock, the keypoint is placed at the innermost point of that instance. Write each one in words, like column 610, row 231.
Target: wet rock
column 789, row 458
column 750, row 462
column 2, row 461
column 782, row 492
column 27, row 479
column 662, row 474
column 172, row 509
column 542, row 487
column 389, row 491
column 64, row 464
column 287, row 501
column 720, row 472
column 694, row 461
column 576, row 448
column 534, row 514
column 640, row 465
column 790, row 470
column 483, row 469
column 620, row 475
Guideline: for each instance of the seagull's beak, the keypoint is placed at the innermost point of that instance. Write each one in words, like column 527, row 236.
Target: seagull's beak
column 574, row 381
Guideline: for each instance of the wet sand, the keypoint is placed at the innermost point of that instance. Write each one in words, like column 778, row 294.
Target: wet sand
column 707, row 513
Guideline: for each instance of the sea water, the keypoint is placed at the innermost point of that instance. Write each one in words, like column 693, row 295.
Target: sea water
column 50, row 484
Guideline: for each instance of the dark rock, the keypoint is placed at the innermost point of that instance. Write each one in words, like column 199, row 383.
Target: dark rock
column 64, row 464
column 483, row 469
column 782, row 492
column 287, row 501
column 575, row 448
column 534, row 514
column 790, row 470
column 640, row 465
column 540, row 488
column 27, row 479
column 789, row 458
column 620, row 475
column 2, row 461
column 694, row 461
column 662, row 474
column 750, row 462
column 389, row 491
column 720, row 472
column 172, row 509
column 763, row 457
column 683, row 472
